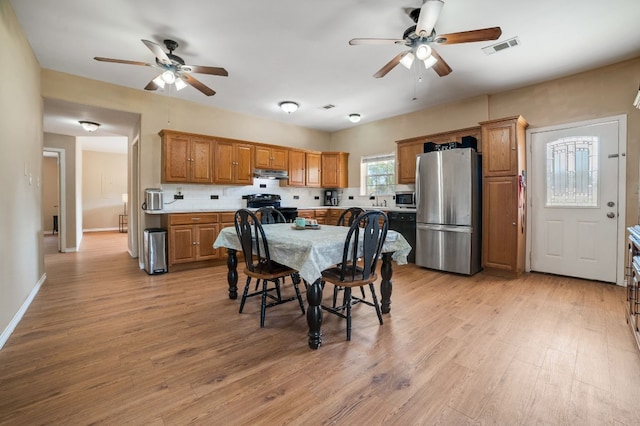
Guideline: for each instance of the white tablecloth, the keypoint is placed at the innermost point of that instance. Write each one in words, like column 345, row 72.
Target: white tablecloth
column 310, row 251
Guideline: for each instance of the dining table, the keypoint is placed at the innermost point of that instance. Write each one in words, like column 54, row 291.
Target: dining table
column 310, row 250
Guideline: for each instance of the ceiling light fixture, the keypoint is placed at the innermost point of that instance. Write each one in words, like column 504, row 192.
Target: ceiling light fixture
column 407, row 60
column 89, row 126
column 636, row 101
column 289, row 106
column 354, row 118
column 159, row 81
column 169, row 77
column 423, row 52
column 430, row 61
column 180, row 84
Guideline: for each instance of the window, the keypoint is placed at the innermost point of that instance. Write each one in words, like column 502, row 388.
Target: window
column 378, row 174
column 572, row 172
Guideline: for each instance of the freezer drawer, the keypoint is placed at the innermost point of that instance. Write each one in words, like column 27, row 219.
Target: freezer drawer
column 448, row 248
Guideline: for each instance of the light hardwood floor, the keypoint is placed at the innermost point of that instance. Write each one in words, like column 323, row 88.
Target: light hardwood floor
column 103, row 342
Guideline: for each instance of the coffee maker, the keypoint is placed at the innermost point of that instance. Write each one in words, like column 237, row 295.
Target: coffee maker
column 331, row 197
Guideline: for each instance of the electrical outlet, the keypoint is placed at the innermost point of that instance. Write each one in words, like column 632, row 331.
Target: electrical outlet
column 178, row 197
column 372, row 197
column 214, row 197
column 351, row 197
column 296, row 197
column 316, row 198
column 263, row 185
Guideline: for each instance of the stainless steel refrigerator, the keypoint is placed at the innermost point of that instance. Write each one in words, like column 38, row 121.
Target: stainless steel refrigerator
column 448, row 210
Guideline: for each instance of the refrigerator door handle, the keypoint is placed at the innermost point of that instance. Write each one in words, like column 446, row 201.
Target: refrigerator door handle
column 447, row 228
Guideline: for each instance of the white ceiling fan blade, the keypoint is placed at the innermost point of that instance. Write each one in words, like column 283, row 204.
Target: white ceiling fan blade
column 429, row 14
column 156, row 49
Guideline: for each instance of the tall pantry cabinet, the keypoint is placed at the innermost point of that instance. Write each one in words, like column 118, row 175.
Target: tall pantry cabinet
column 504, row 184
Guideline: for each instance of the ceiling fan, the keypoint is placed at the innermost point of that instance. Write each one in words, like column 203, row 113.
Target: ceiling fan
column 419, row 37
column 174, row 70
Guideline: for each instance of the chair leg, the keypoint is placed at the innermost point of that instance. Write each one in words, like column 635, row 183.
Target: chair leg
column 244, row 294
column 335, row 295
column 347, row 296
column 263, row 305
column 362, row 291
column 375, row 302
column 296, row 280
column 278, row 293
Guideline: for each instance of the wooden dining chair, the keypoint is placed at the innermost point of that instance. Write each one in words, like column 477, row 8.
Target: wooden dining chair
column 346, row 218
column 362, row 248
column 349, row 215
column 259, row 266
column 269, row 215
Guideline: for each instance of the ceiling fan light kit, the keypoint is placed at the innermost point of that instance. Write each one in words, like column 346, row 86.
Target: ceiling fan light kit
column 354, row 118
column 89, row 126
column 173, row 69
column 420, row 37
column 289, row 106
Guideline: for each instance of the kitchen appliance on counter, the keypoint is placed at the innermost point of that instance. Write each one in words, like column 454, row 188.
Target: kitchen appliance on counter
column 153, row 199
column 256, row 201
column 406, row 199
column 448, row 210
column 331, row 197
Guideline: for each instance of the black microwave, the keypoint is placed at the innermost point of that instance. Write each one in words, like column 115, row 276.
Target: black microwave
column 406, row 199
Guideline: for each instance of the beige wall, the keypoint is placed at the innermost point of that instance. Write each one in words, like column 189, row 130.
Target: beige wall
column 49, row 192
column 21, row 254
column 104, row 180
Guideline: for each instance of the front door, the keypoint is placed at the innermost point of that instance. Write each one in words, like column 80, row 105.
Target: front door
column 575, row 199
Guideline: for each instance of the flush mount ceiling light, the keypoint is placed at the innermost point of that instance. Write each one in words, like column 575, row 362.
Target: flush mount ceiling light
column 289, row 106
column 354, row 118
column 89, row 126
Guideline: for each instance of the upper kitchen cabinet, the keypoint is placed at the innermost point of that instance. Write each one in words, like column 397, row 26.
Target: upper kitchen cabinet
column 234, row 162
column 304, row 168
column 335, row 170
column 503, row 151
column 186, row 158
column 271, row 157
column 408, row 149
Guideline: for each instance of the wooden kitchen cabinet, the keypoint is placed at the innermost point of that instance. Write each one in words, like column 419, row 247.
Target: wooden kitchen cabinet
column 186, row 158
column 191, row 237
column 321, row 216
column 503, row 198
column 334, row 215
column 313, row 173
column 406, row 162
column 503, row 146
column 408, row 149
column 304, row 168
column 234, row 162
column 335, row 170
column 271, row 157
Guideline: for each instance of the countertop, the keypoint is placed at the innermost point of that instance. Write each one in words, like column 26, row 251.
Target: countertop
column 212, row 210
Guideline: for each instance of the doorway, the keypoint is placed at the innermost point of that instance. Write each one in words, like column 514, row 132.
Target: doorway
column 577, row 176
column 53, row 209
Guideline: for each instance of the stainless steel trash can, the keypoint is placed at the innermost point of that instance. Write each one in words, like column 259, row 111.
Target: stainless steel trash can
column 155, row 250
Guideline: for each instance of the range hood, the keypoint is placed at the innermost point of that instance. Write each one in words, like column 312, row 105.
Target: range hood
column 270, row 174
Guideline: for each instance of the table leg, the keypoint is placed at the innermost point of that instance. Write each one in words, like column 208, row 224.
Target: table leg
column 386, row 286
column 314, row 314
column 232, row 273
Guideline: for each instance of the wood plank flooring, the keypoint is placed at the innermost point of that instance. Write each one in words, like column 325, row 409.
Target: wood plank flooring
column 105, row 343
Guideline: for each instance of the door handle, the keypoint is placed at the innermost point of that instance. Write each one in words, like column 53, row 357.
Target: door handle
column 611, row 215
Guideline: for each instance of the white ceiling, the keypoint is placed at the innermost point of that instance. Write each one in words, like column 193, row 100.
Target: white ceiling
column 298, row 49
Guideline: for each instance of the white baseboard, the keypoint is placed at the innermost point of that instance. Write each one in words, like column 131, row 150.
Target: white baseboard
column 18, row 316
column 99, row 229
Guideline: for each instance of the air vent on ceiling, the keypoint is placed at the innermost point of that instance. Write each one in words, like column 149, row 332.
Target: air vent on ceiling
column 328, row 106
column 512, row 42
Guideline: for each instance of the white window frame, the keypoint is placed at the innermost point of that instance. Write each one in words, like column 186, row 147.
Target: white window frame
column 364, row 160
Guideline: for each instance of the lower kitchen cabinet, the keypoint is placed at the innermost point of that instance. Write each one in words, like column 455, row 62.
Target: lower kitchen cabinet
column 503, row 248
column 191, row 237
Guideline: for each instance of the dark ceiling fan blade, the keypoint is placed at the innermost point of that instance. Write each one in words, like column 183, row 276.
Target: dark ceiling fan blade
column 123, row 61
column 204, row 70
column 429, row 14
column 151, row 86
column 365, row 41
column 440, row 67
column 390, row 65
column 483, row 34
column 198, row 85
column 156, row 49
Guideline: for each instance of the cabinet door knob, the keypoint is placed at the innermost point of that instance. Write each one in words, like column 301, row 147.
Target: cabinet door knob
column 514, row 224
